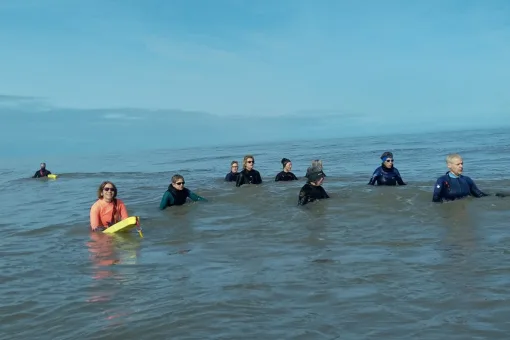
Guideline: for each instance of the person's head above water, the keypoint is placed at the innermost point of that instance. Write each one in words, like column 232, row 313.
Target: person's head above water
column 287, row 164
column 43, row 166
column 234, row 166
column 387, row 159
column 316, row 177
column 178, row 182
column 248, row 162
column 455, row 163
column 107, row 191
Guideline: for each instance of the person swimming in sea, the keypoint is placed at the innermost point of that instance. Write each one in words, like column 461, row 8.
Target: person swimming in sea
column 453, row 185
column 248, row 175
column 233, row 174
column 315, row 167
column 313, row 189
column 42, row 172
column 386, row 174
column 177, row 193
column 108, row 209
column 286, row 174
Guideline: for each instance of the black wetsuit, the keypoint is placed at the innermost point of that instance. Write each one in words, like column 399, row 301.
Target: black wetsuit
column 248, row 177
column 177, row 197
column 232, row 177
column 285, row 176
column 448, row 188
column 41, row 173
column 384, row 176
column 310, row 193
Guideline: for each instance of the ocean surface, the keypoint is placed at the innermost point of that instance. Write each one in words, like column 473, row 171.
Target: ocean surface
column 371, row 262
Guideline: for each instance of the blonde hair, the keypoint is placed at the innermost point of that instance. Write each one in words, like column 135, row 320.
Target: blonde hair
column 245, row 159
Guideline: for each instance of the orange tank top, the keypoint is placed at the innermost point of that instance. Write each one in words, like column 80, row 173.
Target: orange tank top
column 104, row 214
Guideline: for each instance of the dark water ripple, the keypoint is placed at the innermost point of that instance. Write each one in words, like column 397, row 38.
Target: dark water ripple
column 369, row 262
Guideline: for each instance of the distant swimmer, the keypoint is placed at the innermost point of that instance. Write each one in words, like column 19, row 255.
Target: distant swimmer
column 233, row 174
column 248, row 175
column 108, row 209
column 315, row 167
column 453, row 185
column 313, row 190
column 386, row 174
column 286, row 174
column 42, row 172
column 177, row 194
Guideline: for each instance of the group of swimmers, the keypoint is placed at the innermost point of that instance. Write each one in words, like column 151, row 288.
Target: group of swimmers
column 108, row 209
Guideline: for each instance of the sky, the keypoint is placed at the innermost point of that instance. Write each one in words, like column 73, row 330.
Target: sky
column 390, row 63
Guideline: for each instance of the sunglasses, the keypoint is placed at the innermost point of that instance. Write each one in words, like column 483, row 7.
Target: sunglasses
column 249, row 162
column 109, row 189
column 389, row 161
column 180, row 183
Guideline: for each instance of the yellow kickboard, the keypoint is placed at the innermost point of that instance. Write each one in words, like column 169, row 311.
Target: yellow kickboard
column 124, row 225
column 52, row 176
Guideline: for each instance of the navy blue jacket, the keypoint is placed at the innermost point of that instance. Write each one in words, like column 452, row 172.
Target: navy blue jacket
column 231, row 177
column 450, row 189
column 384, row 176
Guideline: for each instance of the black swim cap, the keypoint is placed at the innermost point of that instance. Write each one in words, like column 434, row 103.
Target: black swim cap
column 285, row 161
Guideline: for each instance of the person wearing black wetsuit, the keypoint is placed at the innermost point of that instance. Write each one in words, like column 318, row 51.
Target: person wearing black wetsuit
column 42, row 172
column 315, row 167
column 386, row 174
column 453, row 185
column 233, row 174
column 313, row 189
column 286, row 174
column 248, row 175
column 177, row 194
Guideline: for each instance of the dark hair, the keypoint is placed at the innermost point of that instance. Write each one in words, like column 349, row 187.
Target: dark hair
column 101, row 187
column 284, row 161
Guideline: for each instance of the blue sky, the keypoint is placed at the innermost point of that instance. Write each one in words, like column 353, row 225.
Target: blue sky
column 386, row 61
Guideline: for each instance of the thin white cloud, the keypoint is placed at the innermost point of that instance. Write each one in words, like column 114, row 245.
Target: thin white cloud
column 189, row 51
column 121, row 116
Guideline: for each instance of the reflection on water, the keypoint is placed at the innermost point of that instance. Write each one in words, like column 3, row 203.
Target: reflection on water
column 109, row 254
column 106, row 250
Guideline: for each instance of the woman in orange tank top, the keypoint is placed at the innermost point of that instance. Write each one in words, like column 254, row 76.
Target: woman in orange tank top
column 107, row 210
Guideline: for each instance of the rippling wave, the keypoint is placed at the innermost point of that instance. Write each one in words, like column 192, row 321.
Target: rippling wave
column 369, row 262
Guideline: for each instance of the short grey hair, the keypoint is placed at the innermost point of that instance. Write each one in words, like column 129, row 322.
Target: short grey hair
column 451, row 157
